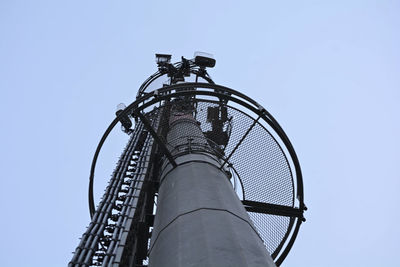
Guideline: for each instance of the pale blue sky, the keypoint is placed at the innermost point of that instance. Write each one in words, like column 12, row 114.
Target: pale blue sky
column 327, row 70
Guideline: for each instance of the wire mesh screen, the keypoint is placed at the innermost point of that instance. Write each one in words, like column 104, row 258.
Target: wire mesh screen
column 271, row 228
column 262, row 167
column 253, row 151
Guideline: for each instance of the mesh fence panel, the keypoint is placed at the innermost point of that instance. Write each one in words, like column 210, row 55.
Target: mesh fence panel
column 263, row 169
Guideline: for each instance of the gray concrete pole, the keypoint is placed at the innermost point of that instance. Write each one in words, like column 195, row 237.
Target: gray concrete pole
column 200, row 221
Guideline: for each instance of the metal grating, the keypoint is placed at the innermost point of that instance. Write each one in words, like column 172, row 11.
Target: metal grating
column 271, row 228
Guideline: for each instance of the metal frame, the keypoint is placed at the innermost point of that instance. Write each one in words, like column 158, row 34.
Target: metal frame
column 193, row 68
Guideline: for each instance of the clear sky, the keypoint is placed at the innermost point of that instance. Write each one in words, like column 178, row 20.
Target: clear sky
column 329, row 71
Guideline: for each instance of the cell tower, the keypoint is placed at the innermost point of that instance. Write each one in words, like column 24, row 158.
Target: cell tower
column 207, row 178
